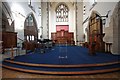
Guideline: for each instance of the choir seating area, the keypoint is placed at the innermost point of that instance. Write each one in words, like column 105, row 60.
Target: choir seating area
column 63, row 37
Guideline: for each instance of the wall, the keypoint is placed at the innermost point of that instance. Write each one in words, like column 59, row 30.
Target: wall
column 112, row 32
column 7, row 18
column 111, row 29
column 20, row 11
column 106, row 6
column 52, row 18
column 119, row 27
column 116, row 30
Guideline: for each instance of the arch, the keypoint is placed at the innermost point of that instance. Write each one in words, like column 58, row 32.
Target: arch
column 33, row 19
column 62, row 12
column 30, row 30
column 95, row 12
column 63, row 4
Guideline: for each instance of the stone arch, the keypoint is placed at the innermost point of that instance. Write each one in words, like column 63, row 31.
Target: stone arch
column 62, row 13
column 60, row 4
column 30, row 28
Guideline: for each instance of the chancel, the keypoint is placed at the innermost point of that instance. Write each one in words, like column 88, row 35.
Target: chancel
column 59, row 38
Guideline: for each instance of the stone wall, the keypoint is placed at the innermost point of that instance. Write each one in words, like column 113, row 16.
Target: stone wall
column 119, row 28
column 112, row 32
column 116, row 30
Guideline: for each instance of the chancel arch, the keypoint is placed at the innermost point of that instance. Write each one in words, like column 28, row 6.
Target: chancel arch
column 30, row 32
column 30, row 28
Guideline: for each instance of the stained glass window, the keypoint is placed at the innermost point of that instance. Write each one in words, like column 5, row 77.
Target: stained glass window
column 62, row 13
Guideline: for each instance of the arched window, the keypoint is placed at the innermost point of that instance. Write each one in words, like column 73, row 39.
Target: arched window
column 29, row 21
column 62, row 13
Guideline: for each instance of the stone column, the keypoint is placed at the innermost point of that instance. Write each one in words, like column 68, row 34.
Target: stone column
column 45, row 19
column 116, row 30
column 79, row 20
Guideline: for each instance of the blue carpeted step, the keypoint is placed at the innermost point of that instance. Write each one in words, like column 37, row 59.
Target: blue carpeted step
column 75, row 56
column 52, row 57
column 61, row 69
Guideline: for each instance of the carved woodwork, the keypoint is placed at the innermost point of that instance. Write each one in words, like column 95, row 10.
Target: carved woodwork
column 9, row 39
column 63, row 37
column 96, row 34
column 29, row 45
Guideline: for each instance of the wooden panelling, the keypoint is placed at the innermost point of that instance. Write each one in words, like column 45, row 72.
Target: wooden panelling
column 96, row 43
column 63, row 37
column 9, row 39
column 29, row 45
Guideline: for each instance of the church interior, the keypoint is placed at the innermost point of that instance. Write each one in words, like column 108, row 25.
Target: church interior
column 60, row 39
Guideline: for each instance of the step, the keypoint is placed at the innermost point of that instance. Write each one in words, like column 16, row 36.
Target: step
column 44, row 70
column 62, row 66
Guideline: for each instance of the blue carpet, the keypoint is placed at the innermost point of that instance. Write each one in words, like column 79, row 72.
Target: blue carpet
column 65, row 55
column 57, row 55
